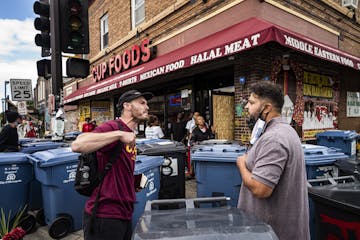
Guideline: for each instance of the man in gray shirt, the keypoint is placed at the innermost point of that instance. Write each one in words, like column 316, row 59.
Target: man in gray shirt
column 273, row 171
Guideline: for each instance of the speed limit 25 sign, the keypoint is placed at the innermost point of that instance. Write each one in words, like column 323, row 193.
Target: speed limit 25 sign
column 21, row 89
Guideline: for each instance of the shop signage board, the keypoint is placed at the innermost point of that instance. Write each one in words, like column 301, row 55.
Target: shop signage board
column 233, row 40
column 21, row 89
column 320, row 104
column 353, row 104
column 21, row 107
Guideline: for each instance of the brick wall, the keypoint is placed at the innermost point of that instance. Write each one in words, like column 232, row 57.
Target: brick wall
column 119, row 13
column 254, row 65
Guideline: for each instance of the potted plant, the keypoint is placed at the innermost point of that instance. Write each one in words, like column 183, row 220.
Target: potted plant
column 11, row 231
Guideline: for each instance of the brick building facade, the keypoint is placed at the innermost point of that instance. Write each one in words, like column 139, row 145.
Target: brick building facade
column 195, row 34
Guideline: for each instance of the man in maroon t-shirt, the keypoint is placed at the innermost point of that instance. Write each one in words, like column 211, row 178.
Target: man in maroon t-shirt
column 117, row 194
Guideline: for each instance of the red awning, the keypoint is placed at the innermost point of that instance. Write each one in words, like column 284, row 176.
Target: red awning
column 242, row 36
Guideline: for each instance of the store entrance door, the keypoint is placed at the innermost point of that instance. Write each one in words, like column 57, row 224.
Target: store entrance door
column 223, row 116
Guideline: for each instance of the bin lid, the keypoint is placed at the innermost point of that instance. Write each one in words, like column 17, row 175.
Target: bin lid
column 75, row 133
column 26, row 140
column 54, row 157
column 347, row 193
column 343, row 134
column 158, row 146
column 348, row 165
column 218, row 152
column 39, row 146
column 202, row 223
column 12, row 157
column 144, row 163
column 315, row 154
column 140, row 141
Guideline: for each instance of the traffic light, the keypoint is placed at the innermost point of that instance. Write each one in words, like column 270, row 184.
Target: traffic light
column 74, row 26
column 44, row 68
column 76, row 67
column 42, row 23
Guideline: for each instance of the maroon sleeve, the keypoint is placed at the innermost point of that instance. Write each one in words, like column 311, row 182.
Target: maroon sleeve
column 107, row 127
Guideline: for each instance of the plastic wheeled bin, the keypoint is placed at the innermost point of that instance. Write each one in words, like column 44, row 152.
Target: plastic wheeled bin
column 39, row 146
column 320, row 164
column 345, row 140
column 320, row 161
column 35, row 199
column 214, row 142
column 150, row 167
column 172, row 180
column 16, row 173
column 63, row 206
column 216, row 171
column 350, row 166
column 27, row 140
column 337, row 208
column 188, row 220
column 70, row 136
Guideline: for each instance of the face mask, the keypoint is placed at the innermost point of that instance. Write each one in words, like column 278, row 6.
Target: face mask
column 251, row 121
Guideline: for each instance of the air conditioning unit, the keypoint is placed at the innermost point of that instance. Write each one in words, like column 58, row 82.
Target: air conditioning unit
column 350, row 3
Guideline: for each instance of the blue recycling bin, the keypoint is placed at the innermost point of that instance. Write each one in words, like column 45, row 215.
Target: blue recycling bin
column 16, row 174
column 320, row 161
column 216, row 171
column 27, row 140
column 345, row 140
column 55, row 169
column 69, row 136
column 150, row 167
column 36, row 144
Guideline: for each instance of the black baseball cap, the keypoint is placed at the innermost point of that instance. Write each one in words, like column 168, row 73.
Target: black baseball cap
column 12, row 116
column 131, row 95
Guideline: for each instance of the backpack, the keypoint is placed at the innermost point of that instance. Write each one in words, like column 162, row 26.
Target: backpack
column 87, row 176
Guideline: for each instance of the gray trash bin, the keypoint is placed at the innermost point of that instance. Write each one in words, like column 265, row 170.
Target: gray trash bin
column 172, row 181
column 349, row 166
column 188, row 220
column 337, row 208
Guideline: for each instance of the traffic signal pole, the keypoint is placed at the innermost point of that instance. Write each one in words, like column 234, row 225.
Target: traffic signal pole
column 56, row 62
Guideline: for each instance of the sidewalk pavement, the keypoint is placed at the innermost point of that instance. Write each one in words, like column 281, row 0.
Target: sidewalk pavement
column 41, row 232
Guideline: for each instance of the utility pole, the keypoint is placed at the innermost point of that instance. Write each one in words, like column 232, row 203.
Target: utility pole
column 55, row 41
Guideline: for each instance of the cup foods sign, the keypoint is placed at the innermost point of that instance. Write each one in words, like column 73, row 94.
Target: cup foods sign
column 132, row 57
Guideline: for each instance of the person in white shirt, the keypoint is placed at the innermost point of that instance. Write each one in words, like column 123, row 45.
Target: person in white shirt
column 153, row 130
column 191, row 124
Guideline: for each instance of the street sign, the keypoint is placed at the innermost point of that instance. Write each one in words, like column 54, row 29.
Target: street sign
column 21, row 89
column 22, row 109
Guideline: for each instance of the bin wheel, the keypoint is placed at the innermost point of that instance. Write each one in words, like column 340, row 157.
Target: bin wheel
column 28, row 222
column 60, row 227
column 40, row 217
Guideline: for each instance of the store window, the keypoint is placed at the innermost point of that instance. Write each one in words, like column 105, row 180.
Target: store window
column 104, row 28
column 137, row 12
